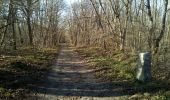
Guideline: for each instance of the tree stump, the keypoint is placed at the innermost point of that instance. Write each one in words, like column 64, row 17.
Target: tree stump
column 144, row 67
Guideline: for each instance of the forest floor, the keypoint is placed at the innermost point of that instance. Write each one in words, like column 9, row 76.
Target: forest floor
column 120, row 69
column 72, row 79
column 22, row 68
column 94, row 74
column 69, row 73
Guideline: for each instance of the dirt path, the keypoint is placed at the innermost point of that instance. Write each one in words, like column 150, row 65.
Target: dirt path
column 71, row 79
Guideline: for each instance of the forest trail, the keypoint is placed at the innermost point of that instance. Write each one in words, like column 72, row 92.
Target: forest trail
column 71, row 79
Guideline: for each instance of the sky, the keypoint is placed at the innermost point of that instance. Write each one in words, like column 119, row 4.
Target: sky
column 70, row 1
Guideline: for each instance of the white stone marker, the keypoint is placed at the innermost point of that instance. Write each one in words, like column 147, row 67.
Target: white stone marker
column 144, row 67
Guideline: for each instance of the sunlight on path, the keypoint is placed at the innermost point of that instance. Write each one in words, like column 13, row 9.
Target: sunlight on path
column 71, row 79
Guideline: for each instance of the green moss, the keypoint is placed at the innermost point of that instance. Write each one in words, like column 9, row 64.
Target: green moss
column 159, row 97
column 2, row 89
column 9, row 94
column 123, row 65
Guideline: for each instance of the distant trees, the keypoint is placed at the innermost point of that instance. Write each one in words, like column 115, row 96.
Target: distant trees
column 30, row 22
column 12, row 18
column 122, row 25
column 138, row 25
column 28, row 10
column 163, row 27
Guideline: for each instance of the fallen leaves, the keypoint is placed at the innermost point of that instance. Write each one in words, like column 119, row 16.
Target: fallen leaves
column 21, row 68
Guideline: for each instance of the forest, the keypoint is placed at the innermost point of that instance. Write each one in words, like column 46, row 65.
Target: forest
column 83, row 49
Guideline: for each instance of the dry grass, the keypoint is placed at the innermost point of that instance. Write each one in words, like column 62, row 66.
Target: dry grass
column 121, row 70
column 22, row 67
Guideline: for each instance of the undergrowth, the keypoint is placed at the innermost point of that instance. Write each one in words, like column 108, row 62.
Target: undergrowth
column 120, row 69
column 22, row 67
column 121, row 65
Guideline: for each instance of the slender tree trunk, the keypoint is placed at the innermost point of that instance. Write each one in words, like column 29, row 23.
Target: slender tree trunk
column 6, row 28
column 20, row 34
column 13, row 17
column 30, row 33
column 151, row 32
column 161, row 34
column 14, row 37
column 30, row 30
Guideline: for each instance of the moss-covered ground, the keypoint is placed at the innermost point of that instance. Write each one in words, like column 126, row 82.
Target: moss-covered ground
column 120, row 68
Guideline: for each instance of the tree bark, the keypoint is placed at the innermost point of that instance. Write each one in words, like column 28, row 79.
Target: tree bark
column 30, row 33
column 159, row 38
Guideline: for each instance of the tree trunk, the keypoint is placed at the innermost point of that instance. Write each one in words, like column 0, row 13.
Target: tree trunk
column 30, row 30
column 159, row 38
column 13, row 19
column 20, row 34
column 30, row 33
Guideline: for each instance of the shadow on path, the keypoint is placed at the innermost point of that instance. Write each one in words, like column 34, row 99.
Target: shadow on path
column 72, row 77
